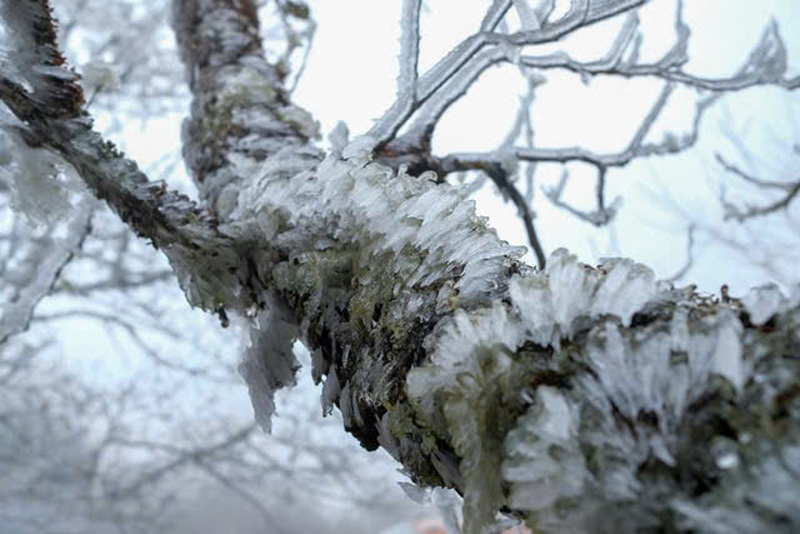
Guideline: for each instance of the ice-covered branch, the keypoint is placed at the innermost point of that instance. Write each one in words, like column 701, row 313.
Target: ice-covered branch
column 452, row 76
column 601, row 215
column 577, row 397
column 387, row 128
column 32, row 276
column 240, row 106
column 766, row 65
column 790, row 190
column 502, row 177
column 45, row 96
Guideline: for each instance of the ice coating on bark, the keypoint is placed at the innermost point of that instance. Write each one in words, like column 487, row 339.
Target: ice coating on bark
column 538, row 477
column 472, row 356
column 433, row 233
column 383, row 225
column 550, row 303
column 773, row 492
column 470, row 350
column 31, row 64
column 650, row 379
column 617, row 395
column 409, row 49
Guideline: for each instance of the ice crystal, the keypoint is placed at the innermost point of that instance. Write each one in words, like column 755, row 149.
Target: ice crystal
column 764, row 302
column 43, row 188
column 550, row 302
column 368, row 204
column 37, row 70
column 339, row 138
column 544, row 462
column 269, row 362
column 359, row 150
column 575, row 458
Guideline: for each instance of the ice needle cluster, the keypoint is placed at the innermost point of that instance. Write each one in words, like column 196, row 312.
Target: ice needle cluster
column 633, row 405
column 354, row 243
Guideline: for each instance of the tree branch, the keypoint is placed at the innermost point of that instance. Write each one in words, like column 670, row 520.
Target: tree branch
column 791, row 189
column 51, row 111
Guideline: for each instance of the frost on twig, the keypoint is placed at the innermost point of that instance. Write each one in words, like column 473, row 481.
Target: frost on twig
column 601, row 216
column 29, row 274
column 341, row 233
column 789, row 190
column 45, row 97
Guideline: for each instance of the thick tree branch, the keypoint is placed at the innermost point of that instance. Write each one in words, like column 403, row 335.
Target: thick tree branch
column 240, row 108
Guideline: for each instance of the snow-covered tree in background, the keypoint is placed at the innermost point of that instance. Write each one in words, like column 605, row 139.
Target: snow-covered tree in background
column 580, row 399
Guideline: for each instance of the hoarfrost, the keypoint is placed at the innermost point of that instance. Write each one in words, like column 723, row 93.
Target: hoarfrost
column 764, row 302
column 359, row 150
column 773, row 493
column 17, row 48
column 549, row 303
column 647, row 376
column 470, row 366
column 43, row 188
column 727, row 355
column 269, row 362
column 409, row 49
column 37, row 70
column 339, row 138
column 299, row 119
column 454, row 359
column 544, row 461
column 356, row 201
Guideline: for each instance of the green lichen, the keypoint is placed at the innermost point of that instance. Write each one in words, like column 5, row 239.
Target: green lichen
column 415, row 441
